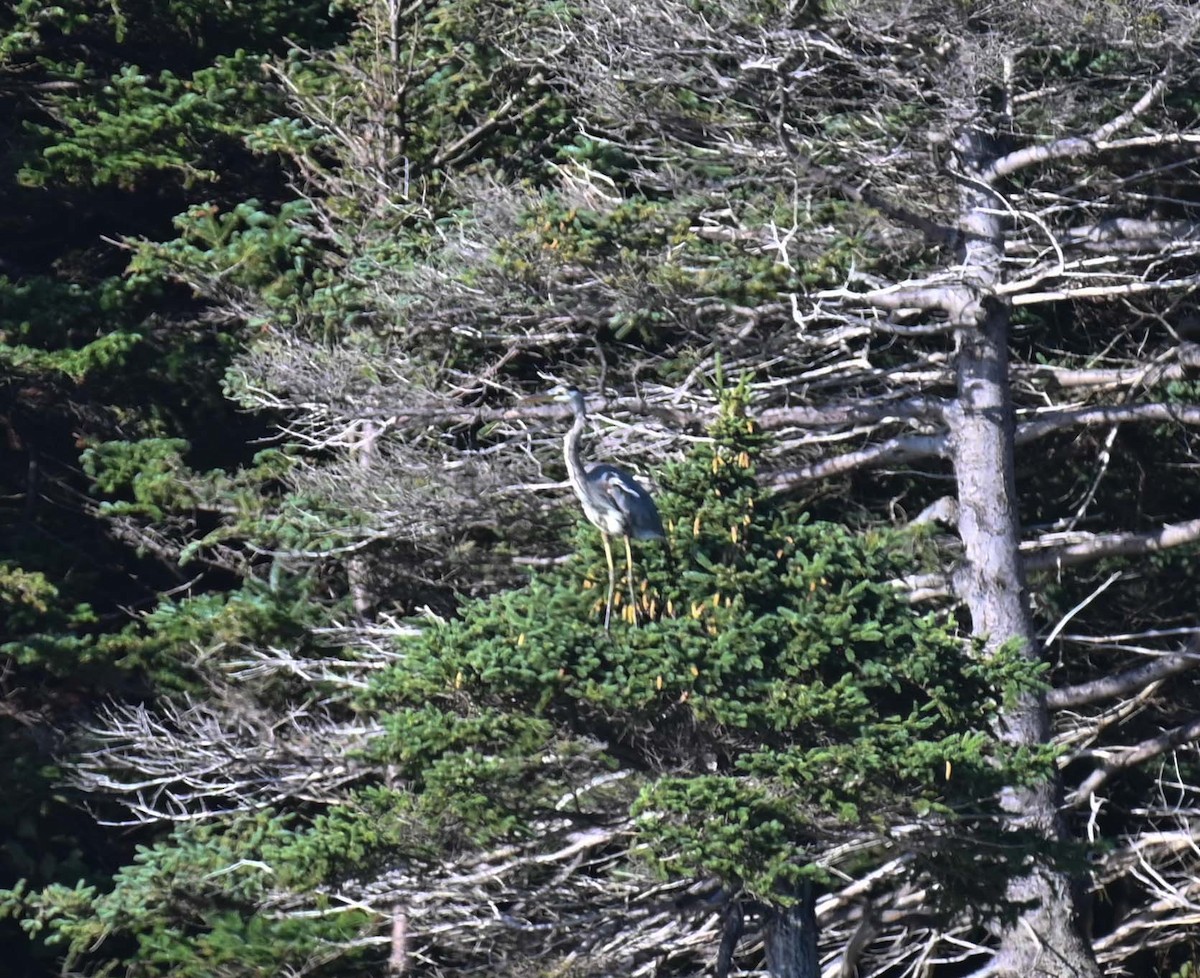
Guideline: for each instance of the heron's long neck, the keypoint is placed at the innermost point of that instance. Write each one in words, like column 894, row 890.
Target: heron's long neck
column 575, row 470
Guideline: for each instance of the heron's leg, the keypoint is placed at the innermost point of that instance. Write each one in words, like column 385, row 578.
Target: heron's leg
column 629, row 571
column 612, row 579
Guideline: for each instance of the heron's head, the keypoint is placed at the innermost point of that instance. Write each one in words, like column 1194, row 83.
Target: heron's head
column 562, row 394
column 570, row 395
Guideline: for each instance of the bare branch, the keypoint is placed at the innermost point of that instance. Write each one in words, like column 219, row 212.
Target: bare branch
column 196, row 761
column 1078, row 147
column 855, row 412
column 1101, row 291
column 1068, row 549
column 1186, row 358
column 891, row 452
column 1047, row 422
column 1123, row 683
column 1132, row 757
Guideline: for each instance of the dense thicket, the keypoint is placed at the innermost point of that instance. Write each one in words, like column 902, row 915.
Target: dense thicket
column 891, row 302
column 113, row 118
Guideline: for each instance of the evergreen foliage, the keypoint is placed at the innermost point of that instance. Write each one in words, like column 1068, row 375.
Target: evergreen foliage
column 780, row 694
column 271, row 280
column 192, row 905
column 111, row 117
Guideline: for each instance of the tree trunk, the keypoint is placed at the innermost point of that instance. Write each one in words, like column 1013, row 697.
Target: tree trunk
column 357, row 569
column 1045, row 940
column 792, row 938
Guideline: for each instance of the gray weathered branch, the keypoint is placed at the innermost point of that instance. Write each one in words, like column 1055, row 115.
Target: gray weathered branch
column 1123, row 683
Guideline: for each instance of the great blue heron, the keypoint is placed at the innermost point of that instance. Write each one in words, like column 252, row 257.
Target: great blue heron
column 613, row 500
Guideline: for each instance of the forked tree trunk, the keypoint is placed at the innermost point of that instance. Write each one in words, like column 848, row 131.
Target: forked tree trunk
column 1045, row 940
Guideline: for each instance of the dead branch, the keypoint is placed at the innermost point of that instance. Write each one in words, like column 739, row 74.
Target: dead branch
column 1053, row 551
column 1126, row 758
column 1123, row 683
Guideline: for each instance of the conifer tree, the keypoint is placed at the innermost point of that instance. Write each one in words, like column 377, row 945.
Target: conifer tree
column 781, row 713
column 950, row 248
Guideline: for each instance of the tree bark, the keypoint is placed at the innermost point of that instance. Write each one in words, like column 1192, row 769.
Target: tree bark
column 791, row 938
column 1045, row 939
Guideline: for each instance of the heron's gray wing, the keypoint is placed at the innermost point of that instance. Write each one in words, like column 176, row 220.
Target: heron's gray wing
column 631, row 498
